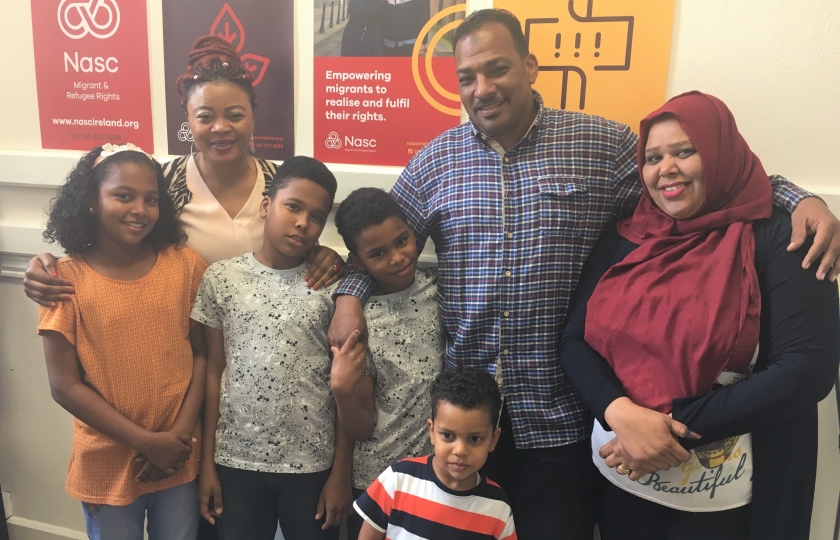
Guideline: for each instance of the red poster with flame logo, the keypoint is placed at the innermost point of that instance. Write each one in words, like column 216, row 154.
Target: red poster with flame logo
column 385, row 80
column 263, row 35
column 92, row 72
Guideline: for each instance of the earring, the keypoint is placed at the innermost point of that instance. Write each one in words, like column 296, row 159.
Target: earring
column 193, row 151
column 91, row 209
column 253, row 150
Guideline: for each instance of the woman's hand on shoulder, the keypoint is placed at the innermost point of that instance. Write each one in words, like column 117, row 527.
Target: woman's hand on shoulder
column 325, row 267
column 42, row 284
column 645, row 439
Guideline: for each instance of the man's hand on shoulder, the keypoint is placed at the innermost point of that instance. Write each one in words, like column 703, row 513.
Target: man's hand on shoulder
column 812, row 217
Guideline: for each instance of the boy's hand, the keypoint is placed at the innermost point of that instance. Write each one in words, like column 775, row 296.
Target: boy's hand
column 336, row 500
column 168, row 450
column 209, row 494
column 348, row 365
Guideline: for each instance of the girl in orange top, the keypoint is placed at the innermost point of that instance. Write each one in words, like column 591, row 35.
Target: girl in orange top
column 121, row 355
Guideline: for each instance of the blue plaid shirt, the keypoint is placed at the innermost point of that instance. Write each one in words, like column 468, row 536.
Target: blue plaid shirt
column 512, row 231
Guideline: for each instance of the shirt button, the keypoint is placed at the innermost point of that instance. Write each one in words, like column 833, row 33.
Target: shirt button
column 510, row 235
column 507, row 159
column 507, row 273
column 507, row 313
column 505, row 351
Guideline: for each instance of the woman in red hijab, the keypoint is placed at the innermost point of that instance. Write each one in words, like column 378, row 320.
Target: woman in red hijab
column 700, row 344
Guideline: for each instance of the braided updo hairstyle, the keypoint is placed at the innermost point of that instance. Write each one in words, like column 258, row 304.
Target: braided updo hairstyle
column 212, row 59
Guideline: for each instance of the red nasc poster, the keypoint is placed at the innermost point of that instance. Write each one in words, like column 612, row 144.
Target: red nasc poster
column 385, row 80
column 92, row 71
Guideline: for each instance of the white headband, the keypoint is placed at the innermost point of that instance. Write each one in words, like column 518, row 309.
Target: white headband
column 109, row 150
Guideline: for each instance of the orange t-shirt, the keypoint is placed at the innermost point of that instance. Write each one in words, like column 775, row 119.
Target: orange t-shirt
column 132, row 338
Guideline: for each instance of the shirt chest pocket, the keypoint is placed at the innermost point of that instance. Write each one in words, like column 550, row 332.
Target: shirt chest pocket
column 563, row 204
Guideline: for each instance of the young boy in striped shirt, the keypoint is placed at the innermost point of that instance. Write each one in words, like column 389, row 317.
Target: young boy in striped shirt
column 443, row 495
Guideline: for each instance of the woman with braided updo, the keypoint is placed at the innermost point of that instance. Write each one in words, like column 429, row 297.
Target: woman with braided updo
column 217, row 191
column 219, row 187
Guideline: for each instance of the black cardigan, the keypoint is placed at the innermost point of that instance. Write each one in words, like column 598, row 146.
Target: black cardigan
column 799, row 349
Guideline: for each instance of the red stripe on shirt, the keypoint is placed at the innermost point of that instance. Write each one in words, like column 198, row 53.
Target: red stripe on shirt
column 377, row 492
column 447, row 515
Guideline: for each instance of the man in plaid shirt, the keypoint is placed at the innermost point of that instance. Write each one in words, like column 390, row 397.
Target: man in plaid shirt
column 514, row 201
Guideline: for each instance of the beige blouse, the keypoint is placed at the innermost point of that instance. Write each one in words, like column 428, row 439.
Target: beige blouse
column 211, row 230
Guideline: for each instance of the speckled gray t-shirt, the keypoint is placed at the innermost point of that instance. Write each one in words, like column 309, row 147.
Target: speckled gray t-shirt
column 276, row 412
column 405, row 338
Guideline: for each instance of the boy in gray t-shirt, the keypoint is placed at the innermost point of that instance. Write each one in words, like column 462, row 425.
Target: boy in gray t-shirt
column 269, row 424
column 405, row 337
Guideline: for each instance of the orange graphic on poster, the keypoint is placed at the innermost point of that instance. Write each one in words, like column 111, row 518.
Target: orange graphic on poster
column 452, row 98
column 603, row 57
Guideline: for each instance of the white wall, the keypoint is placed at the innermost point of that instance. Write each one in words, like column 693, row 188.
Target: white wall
column 775, row 62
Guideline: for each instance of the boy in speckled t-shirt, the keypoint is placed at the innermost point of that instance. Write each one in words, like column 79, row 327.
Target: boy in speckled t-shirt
column 268, row 396
column 405, row 336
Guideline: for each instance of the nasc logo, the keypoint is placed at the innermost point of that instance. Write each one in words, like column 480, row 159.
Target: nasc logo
column 99, row 18
column 333, row 142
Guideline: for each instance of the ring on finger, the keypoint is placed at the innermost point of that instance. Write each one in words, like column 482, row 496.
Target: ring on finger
column 621, row 470
column 337, row 267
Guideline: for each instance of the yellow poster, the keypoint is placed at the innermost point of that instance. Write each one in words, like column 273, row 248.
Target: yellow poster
column 603, row 57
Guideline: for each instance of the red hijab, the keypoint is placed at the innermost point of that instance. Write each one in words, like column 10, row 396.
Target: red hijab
column 685, row 305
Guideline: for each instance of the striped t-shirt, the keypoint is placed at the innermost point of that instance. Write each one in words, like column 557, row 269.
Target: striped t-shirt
column 408, row 502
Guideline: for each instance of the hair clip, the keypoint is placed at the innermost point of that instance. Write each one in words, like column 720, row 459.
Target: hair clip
column 195, row 76
column 224, row 64
column 109, row 150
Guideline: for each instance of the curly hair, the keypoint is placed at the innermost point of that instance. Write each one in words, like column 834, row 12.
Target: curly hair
column 468, row 389
column 364, row 208
column 70, row 222
column 212, row 59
